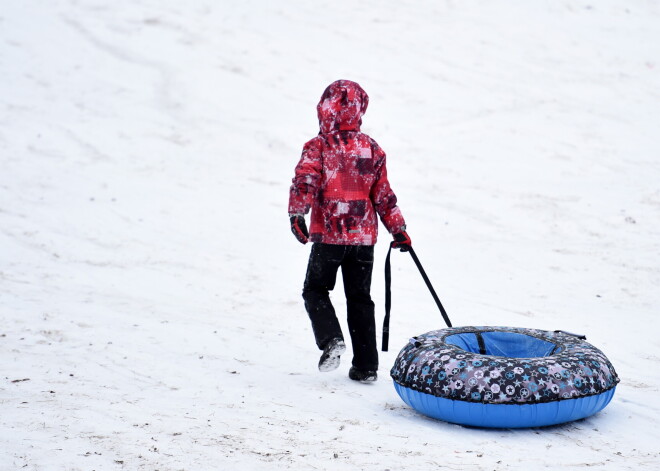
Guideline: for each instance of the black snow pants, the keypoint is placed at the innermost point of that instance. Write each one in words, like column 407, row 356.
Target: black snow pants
column 356, row 262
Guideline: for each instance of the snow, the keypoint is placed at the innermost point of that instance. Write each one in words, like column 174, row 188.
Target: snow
column 150, row 305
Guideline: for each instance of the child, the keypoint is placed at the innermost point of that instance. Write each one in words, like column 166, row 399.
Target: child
column 342, row 177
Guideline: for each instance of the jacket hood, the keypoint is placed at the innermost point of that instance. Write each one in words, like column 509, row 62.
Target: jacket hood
column 341, row 107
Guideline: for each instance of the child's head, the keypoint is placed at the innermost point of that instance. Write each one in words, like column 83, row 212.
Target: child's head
column 341, row 107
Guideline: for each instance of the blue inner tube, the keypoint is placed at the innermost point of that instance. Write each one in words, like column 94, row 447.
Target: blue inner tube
column 503, row 377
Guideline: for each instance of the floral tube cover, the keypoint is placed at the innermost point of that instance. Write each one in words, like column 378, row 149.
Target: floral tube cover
column 503, row 365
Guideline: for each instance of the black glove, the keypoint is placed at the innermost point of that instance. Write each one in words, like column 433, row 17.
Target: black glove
column 402, row 241
column 299, row 228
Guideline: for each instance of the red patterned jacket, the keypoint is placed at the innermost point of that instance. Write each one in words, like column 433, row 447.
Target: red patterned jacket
column 342, row 176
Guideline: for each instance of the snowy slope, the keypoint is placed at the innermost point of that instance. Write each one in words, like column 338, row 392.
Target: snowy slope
column 149, row 285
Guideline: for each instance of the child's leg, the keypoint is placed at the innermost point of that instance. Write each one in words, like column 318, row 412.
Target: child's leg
column 356, row 273
column 324, row 262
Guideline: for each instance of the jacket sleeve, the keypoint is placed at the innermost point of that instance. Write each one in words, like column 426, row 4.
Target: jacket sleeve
column 382, row 196
column 307, row 178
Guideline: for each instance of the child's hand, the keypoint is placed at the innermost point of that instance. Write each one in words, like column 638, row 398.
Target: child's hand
column 299, row 228
column 402, row 241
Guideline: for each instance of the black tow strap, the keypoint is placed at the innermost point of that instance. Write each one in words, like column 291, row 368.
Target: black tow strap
column 388, row 294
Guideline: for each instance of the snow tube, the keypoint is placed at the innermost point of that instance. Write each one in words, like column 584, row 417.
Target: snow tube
column 503, row 377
